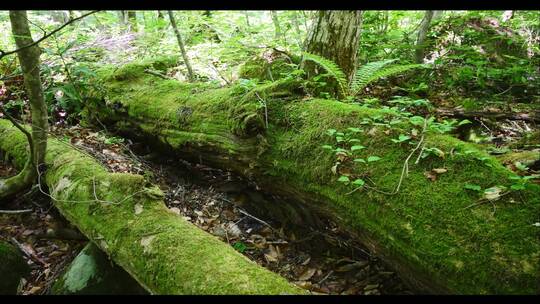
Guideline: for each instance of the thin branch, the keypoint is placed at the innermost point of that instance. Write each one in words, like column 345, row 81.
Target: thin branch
column 3, row 53
column 15, row 211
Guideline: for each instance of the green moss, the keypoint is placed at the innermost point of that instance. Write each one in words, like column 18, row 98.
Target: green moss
column 158, row 248
column 13, row 268
column 424, row 228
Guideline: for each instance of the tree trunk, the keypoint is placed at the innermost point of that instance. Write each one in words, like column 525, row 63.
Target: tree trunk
column 247, row 19
column 181, row 45
column 422, row 33
column 122, row 17
column 132, row 18
column 299, row 35
column 29, row 61
column 129, row 221
column 335, row 35
column 277, row 26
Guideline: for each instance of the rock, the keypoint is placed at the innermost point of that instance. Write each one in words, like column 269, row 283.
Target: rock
column 12, row 267
column 91, row 272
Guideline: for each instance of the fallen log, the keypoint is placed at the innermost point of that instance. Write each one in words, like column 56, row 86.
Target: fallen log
column 127, row 218
column 461, row 113
column 421, row 228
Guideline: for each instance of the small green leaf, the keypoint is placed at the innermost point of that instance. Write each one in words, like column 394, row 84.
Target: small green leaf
column 416, row 120
column 357, row 147
column 339, row 138
column 328, row 147
column 520, row 166
column 518, row 187
column 373, row 159
column 354, row 130
column 359, row 160
column 401, row 138
column 472, row 187
column 239, row 246
column 331, row 132
column 344, row 179
column 464, row 122
column 359, row 182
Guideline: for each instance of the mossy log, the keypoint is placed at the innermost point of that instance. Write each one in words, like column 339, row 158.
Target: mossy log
column 425, row 231
column 127, row 218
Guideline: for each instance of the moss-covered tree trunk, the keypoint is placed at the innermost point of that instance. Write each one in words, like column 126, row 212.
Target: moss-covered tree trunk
column 426, row 231
column 127, row 218
column 335, row 35
column 29, row 61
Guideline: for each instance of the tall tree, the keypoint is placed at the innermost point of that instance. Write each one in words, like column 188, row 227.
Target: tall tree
column 422, row 33
column 181, row 45
column 132, row 18
column 335, row 35
column 29, row 61
column 277, row 26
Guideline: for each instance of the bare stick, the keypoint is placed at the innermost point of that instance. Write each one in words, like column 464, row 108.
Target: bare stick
column 15, row 211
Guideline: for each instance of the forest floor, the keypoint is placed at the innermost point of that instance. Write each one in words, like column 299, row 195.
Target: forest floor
column 324, row 261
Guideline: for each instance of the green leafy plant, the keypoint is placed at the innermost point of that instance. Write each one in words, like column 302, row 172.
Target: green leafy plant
column 366, row 74
column 374, row 71
column 240, row 247
column 331, row 68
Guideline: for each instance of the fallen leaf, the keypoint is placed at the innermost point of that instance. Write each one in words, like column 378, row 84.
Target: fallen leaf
column 138, row 208
column 440, row 170
column 307, row 274
column 430, row 175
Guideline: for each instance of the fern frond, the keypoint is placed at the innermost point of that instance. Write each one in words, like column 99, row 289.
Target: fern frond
column 332, row 68
column 376, row 70
column 362, row 75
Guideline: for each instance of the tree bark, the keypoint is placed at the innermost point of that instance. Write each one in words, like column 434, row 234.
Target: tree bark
column 277, row 26
column 335, row 35
column 422, row 33
column 127, row 219
column 181, row 45
column 132, row 18
column 226, row 130
column 29, row 61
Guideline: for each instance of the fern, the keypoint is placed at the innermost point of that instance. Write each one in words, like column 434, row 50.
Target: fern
column 374, row 71
column 332, row 68
column 365, row 75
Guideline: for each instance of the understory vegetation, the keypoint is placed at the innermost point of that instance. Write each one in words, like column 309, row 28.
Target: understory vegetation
column 412, row 133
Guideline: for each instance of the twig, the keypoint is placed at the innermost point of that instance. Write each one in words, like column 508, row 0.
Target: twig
column 483, row 201
column 405, row 169
column 255, row 218
column 4, row 53
column 155, row 73
column 28, row 253
column 16, row 211
column 326, row 277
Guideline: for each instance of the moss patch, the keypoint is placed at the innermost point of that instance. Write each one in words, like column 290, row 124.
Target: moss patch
column 178, row 259
column 425, row 226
